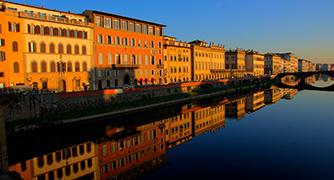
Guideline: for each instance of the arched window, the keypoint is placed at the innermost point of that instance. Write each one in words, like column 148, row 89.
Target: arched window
column 109, row 58
column 100, row 58
column 60, row 48
column 69, row 49
column 16, row 67
column 46, row 30
column 55, row 32
column 52, row 67
column 133, row 59
column 69, row 67
column 42, row 47
column 63, row 32
column 15, row 46
column 34, row 67
column 100, row 39
column 118, row 59
column 84, row 50
column 72, row 33
column 43, row 66
column 37, row 30
column 77, row 66
column 76, row 49
column 28, row 28
column 84, row 66
column 52, row 48
column 79, row 34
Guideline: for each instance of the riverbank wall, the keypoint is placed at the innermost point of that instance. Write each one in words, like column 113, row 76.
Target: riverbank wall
column 29, row 111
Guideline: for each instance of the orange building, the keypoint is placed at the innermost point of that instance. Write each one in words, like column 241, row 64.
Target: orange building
column 127, row 51
column 53, row 49
column 11, row 48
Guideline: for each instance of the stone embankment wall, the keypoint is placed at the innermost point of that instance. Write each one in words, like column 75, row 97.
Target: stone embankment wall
column 33, row 106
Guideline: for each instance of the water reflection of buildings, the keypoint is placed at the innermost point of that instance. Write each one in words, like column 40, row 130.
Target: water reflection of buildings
column 236, row 108
column 74, row 162
column 255, row 101
column 130, row 151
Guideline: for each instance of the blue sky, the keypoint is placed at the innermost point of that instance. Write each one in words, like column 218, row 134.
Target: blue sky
column 305, row 27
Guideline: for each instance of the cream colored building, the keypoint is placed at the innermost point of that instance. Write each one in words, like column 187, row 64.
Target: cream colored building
column 273, row 64
column 255, row 63
column 177, row 57
column 292, row 66
column 255, row 101
column 207, row 61
column 235, row 59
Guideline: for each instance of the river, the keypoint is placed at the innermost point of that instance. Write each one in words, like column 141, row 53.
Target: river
column 269, row 134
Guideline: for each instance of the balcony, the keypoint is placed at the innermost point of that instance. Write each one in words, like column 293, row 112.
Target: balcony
column 56, row 19
column 160, row 66
column 125, row 66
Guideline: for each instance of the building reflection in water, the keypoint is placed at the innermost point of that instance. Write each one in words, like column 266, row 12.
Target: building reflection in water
column 130, row 151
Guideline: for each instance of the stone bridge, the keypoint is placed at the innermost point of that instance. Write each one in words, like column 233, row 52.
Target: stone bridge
column 302, row 85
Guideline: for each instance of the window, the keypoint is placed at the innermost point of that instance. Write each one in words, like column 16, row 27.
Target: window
column 60, row 48
column 138, row 28
column 84, row 50
column 77, row 67
column 116, row 24
column 64, row 32
column 60, row 173
column 109, row 40
column 2, row 42
column 40, row 161
column 90, row 163
column 157, row 32
column 49, row 159
column 43, row 67
column 109, row 58
column 53, row 67
column 104, row 150
column 84, row 66
column 69, row 67
column 68, row 170
column 46, row 30
column 117, row 41
column 52, row 48
column 125, row 41
column 42, row 47
column 34, row 67
column 58, row 156
column 124, row 25
column 16, row 67
column 82, row 165
column 37, row 30
column 55, row 32
column 75, row 168
column 144, row 29
column 0, row 29
column 100, row 38
column 132, row 42
column 88, row 147
column 69, row 49
column 99, row 21
column 131, row 27
column 107, row 23
column 152, row 60
column 32, row 47
column 81, row 149
column 100, row 58
column 150, row 30
column 117, row 59
column 76, row 49
column 15, row 46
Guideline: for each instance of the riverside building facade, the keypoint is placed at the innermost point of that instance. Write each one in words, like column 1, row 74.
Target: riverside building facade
column 208, row 61
column 273, row 64
column 127, row 51
column 255, row 63
column 46, row 49
column 177, row 60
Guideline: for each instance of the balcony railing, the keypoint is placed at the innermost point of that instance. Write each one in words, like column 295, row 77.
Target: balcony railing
column 160, row 66
column 53, row 19
column 125, row 66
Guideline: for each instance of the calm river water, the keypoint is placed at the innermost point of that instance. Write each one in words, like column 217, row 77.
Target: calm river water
column 270, row 134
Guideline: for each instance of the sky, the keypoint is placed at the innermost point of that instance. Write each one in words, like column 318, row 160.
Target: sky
column 305, row 27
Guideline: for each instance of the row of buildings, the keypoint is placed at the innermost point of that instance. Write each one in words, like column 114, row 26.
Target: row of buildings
column 128, row 152
column 63, row 51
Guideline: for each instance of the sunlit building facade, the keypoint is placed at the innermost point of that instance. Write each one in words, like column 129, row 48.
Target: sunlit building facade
column 207, row 61
column 273, row 64
column 177, row 60
column 255, row 101
column 127, row 51
column 291, row 64
column 53, row 49
column 209, row 118
column 255, row 63
column 236, row 108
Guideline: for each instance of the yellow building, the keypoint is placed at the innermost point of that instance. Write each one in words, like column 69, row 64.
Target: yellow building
column 235, row 59
column 292, row 61
column 56, row 50
column 79, row 161
column 209, row 118
column 207, row 61
column 273, row 64
column 255, row 63
column 177, row 57
column 273, row 95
